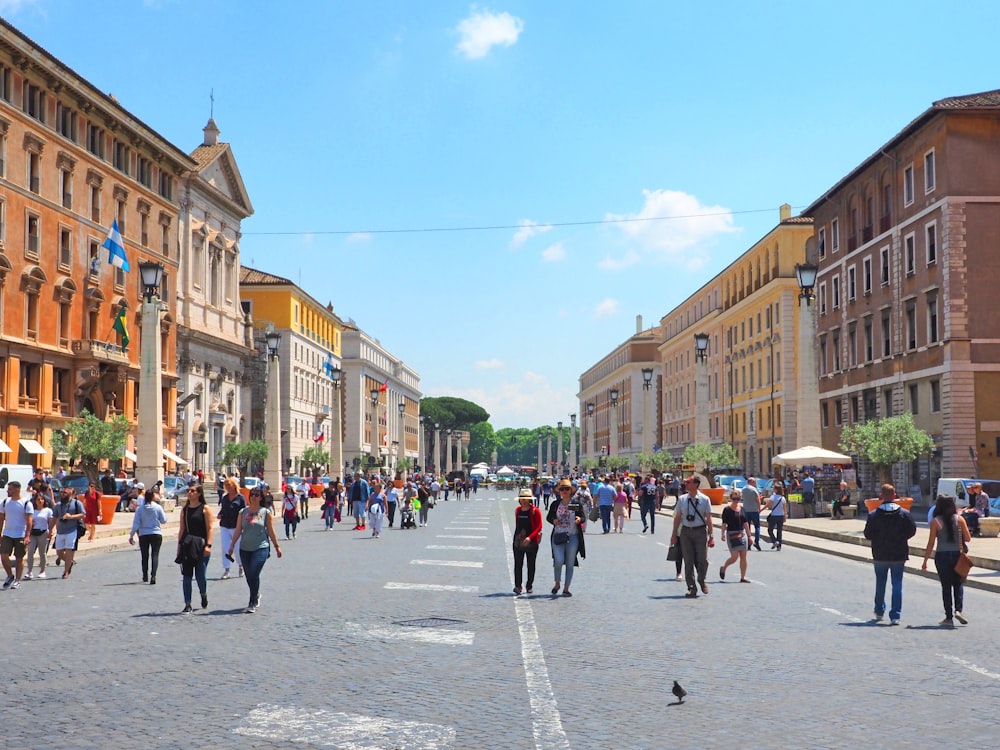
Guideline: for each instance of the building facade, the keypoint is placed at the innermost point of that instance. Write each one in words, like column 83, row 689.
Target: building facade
column 311, row 403
column 214, row 334
column 378, row 433
column 626, row 425
column 906, row 246
column 749, row 391
column 72, row 161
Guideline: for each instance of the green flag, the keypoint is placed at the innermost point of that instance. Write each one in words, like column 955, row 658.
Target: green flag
column 121, row 326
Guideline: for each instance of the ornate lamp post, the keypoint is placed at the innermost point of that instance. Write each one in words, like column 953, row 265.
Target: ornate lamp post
column 647, row 431
column 272, row 465
column 376, row 443
column 336, row 441
column 701, row 388
column 402, row 437
column 591, row 448
column 149, row 427
column 613, row 422
column 806, row 422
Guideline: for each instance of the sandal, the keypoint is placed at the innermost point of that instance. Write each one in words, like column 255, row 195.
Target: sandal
column 517, row 589
column 555, row 589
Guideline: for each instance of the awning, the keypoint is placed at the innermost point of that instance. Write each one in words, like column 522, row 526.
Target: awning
column 33, row 447
column 4, row 448
column 131, row 456
column 174, row 457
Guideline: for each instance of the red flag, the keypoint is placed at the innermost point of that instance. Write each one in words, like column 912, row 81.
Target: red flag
column 385, row 386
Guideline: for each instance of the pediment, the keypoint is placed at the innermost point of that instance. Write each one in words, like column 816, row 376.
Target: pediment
column 221, row 172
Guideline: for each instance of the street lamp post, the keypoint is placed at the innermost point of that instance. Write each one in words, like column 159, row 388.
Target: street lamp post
column 375, row 442
column 272, row 465
column 402, row 438
column 437, row 448
column 591, row 447
column 337, row 456
column 149, row 426
column 573, row 459
column 540, row 464
column 701, row 388
column 613, row 423
column 806, row 406
column 420, row 439
column 647, row 433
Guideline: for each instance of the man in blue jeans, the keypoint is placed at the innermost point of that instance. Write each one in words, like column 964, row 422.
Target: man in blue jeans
column 889, row 528
column 605, row 497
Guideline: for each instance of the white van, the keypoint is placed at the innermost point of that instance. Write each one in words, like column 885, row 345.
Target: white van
column 22, row 473
column 959, row 489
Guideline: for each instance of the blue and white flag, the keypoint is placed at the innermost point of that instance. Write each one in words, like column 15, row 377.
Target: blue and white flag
column 116, row 248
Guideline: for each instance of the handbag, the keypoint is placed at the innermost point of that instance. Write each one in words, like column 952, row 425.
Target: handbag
column 595, row 513
column 674, row 553
column 963, row 565
column 560, row 537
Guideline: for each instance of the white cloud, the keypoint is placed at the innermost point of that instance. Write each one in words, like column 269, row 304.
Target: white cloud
column 489, row 364
column 606, row 308
column 615, row 264
column 359, row 237
column 670, row 225
column 554, row 253
column 527, row 230
column 528, row 400
column 10, row 7
column 483, row 30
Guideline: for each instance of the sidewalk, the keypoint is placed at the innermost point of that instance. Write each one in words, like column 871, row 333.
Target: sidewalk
column 114, row 536
column 845, row 538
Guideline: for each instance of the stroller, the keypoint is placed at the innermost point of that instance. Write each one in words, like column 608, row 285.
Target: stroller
column 406, row 519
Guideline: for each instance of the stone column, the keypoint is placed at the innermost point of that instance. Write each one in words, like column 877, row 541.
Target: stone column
column 149, row 433
column 437, row 451
column 540, row 464
column 701, row 402
column 548, row 453
column 574, row 460
column 807, row 426
column 336, row 437
column 559, row 448
column 447, row 455
column 272, row 464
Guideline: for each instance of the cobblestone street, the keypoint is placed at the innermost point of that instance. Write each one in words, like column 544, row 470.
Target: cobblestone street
column 414, row 640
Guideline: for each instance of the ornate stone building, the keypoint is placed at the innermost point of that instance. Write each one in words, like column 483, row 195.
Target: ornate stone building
column 214, row 335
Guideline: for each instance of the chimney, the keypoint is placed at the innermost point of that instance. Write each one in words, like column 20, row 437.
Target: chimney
column 785, row 212
column 638, row 324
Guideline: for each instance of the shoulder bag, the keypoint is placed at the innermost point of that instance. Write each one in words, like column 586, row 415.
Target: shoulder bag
column 964, row 563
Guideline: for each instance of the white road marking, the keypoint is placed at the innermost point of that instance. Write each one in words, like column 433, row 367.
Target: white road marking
column 449, row 563
column 431, row 587
column 458, row 536
column 454, row 546
column 441, row 636
column 837, row 612
column 969, row 665
column 464, row 528
column 323, row 728
column 546, row 723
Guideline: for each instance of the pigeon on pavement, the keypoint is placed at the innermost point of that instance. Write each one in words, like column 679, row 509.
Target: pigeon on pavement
column 679, row 691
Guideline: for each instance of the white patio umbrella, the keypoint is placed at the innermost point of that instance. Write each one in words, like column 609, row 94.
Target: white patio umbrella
column 810, row 455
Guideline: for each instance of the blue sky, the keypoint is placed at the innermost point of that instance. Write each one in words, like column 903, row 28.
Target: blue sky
column 351, row 119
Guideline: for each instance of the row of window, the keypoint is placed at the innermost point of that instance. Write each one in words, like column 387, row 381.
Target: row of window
column 864, row 210
column 831, row 357
column 930, row 237
column 862, row 408
column 738, row 381
column 70, row 125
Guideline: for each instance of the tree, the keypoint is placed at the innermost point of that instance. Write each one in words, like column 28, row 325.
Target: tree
column 482, row 442
column 315, row 458
column 244, row 455
column 89, row 440
column 456, row 413
column 886, row 442
column 589, row 464
column 706, row 457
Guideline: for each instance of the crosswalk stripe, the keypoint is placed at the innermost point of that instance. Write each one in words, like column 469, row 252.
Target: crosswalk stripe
column 449, row 563
column 431, row 587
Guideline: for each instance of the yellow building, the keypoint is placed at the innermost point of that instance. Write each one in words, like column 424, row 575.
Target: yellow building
column 748, row 391
column 310, row 403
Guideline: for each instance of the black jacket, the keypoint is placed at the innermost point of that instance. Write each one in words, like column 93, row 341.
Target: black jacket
column 889, row 528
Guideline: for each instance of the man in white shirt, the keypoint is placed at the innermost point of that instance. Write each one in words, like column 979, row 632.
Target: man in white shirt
column 693, row 528
column 16, row 517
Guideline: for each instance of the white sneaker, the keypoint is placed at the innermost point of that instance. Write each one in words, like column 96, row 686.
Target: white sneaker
column 225, row 576
column 961, row 618
column 27, row 576
column 41, row 575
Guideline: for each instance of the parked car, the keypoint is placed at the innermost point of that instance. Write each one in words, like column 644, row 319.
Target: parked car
column 173, row 487
column 251, row 483
column 729, row 481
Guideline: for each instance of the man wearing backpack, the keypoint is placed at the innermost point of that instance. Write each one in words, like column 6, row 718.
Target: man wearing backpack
column 69, row 515
column 16, row 518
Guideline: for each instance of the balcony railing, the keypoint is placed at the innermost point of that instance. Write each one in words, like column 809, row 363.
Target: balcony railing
column 101, row 350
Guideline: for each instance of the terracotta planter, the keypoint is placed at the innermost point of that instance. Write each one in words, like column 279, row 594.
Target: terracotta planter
column 398, row 483
column 716, row 494
column 108, row 505
column 245, row 491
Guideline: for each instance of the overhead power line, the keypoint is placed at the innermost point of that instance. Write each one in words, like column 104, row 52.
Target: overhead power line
column 488, row 227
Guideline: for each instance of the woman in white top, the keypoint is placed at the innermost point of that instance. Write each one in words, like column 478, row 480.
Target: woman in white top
column 42, row 533
column 290, row 511
column 778, row 505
